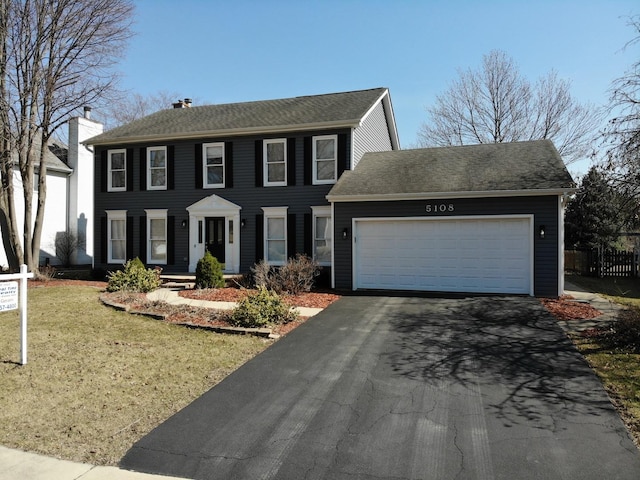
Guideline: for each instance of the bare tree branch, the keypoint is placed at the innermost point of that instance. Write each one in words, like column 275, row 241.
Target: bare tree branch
column 495, row 104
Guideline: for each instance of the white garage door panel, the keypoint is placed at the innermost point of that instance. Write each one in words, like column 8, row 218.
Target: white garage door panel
column 458, row 255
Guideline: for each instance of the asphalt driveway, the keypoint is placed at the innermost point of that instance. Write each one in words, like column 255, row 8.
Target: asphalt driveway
column 403, row 388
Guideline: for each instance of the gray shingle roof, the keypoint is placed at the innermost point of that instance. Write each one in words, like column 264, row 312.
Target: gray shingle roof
column 55, row 157
column 486, row 168
column 332, row 110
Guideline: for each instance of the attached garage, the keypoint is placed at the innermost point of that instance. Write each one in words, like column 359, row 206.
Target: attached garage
column 476, row 219
column 457, row 254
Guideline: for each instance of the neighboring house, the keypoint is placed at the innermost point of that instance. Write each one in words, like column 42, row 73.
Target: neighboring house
column 245, row 181
column 69, row 203
column 481, row 218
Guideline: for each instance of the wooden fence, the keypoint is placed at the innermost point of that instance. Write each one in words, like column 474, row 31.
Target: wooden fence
column 602, row 263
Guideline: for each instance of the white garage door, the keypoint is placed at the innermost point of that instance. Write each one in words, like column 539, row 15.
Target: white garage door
column 481, row 255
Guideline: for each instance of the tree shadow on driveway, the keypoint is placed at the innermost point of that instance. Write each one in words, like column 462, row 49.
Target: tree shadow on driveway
column 508, row 349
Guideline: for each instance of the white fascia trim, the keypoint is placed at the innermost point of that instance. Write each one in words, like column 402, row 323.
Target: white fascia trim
column 232, row 132
column 442, row 195
column 385, row 98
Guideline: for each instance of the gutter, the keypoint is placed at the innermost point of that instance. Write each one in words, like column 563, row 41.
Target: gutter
column 444, row 195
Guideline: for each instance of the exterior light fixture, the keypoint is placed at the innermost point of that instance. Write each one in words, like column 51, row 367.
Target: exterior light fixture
column 345, row 233
column 541, row 231
column 183, row 224
column 243, row 223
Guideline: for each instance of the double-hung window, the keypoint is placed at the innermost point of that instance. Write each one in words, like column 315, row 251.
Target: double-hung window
column 117, row 170
column 275, row 162
column 275, row 235
column 116, row 236
column 322, row 234
column 325, row 159
column 157, row 168
column 157, row 236
column 213, row 165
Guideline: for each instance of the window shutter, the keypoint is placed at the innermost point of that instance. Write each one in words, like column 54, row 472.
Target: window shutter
column 228, row 165
column 308, row 161
column 171, row 150
column 291, row 161
column 259, row 237
column 198, row 167
column 143, row 239
column 258, row 164
column 291, row 235
column 129, row 247
column 103, row 240
column 143, row 169
column 308, row 235
column 104, row 171
column 171, row 234
column 129, row 169
column 343, row 156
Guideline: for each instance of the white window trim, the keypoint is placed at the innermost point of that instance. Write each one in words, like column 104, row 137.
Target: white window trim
column 166, row 160
column 323, row 211
column 315, row 160
column 110, row 187
column 116, row 215
column 265, row 165
column 156, row 214
column 274, row 212
column 205, row 184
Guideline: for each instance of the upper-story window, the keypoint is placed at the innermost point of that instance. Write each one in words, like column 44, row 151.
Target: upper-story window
column 157, row 168
column 213, row 165
column 117, row 170
column 324, row 159
column 275, row 162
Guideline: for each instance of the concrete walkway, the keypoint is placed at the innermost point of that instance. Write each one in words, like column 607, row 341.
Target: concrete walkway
column 610, row 310
column 170, row 296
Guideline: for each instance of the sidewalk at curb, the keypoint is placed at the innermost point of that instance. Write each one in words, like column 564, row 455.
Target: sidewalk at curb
column 610, row 310
column 17, row 464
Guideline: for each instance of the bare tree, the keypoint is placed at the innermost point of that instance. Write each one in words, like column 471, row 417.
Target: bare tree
column 129, row 107
column 623, row 130
column 59, row 57
column 496, row 104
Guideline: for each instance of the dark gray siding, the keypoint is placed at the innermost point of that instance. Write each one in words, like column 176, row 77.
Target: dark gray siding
column 299, row 197
column 544, row 209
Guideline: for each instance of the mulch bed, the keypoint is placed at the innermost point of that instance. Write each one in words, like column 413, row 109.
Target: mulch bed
column 567, row 308
column 194, row 316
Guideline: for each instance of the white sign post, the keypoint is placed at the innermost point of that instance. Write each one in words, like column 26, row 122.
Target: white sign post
column 9, row 301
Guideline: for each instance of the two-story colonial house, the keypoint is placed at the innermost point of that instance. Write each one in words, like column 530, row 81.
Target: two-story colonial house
column 246, row 181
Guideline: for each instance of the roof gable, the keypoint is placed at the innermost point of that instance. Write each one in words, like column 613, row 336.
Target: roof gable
column 487, row 169
column 344, row 109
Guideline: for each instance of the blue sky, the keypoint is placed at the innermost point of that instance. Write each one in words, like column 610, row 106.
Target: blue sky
column 242, row 50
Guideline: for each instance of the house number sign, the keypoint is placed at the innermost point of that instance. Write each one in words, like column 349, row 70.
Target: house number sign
column 439, row 207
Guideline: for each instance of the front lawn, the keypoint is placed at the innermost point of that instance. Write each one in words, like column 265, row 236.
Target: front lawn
column 614, row 351
column 97, row 379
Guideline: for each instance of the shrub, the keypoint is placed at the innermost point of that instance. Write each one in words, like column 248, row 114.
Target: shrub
column 209, row 272
column 134, row 278
column 261, row 309
column 296, row 276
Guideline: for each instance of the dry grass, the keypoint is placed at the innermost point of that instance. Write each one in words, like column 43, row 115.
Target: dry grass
column 98, row 379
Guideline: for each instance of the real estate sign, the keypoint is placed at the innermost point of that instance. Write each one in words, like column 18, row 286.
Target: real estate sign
column 8, row 296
